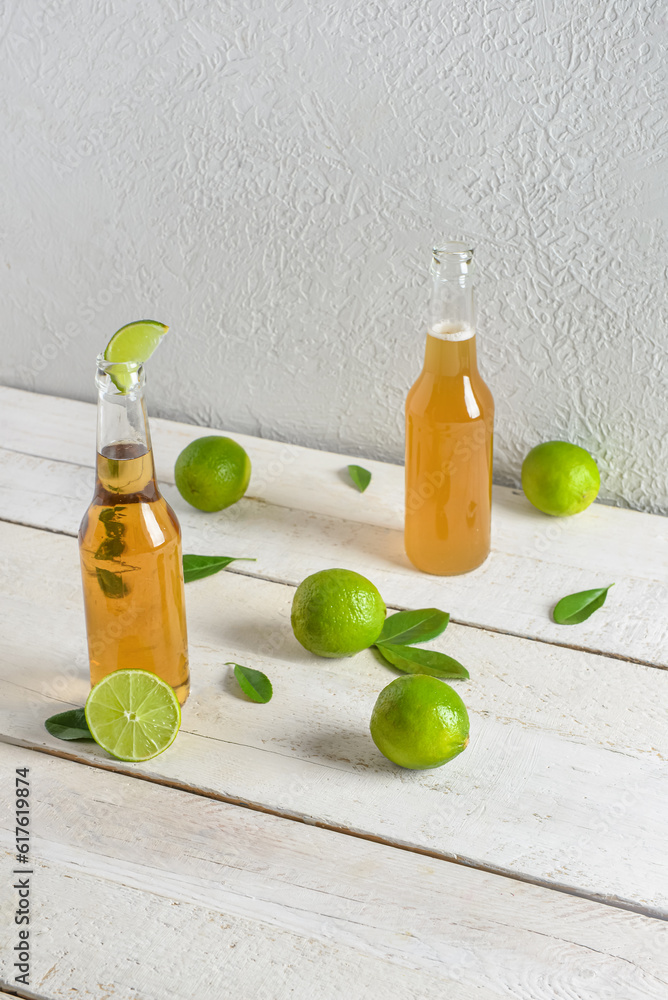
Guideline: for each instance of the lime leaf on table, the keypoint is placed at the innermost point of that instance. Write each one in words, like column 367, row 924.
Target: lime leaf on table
column 576, row 608
column 254, row 684
column 407, row 627
column 197, row 567
column 133, row 714
column 70, row 725
column 423, row 661
column 360, row 477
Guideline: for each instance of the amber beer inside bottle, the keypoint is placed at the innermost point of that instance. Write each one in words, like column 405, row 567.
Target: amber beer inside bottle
column 449, row 428
column 130, row 548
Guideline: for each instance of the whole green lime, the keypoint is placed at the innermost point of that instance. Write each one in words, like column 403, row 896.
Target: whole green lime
column 212, row 472
column 337, row 612
column 419, row 722
column 560, row 478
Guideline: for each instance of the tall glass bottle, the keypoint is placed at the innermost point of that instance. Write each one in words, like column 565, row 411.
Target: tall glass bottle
column 130, row 545
column 449, row 427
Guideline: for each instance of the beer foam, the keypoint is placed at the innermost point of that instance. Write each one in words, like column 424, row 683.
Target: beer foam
column 452, row 331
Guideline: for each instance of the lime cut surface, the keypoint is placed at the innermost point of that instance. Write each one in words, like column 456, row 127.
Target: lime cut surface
column 135, row 342
column 133, row 714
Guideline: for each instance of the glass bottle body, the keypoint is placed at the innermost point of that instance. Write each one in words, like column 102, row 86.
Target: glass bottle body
column 130, row 549
column 449, row 432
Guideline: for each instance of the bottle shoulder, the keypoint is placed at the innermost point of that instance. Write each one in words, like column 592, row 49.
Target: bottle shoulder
column 461, row 397
column 119, row 529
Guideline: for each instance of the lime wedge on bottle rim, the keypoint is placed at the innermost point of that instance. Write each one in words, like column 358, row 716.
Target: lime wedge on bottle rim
column 133, row 714
column 135, row 342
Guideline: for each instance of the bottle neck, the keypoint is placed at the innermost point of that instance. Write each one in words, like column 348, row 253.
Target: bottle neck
column 121, row 411
column 449, row 357
column 452, row 306
column 451, row 344
column 124, row 456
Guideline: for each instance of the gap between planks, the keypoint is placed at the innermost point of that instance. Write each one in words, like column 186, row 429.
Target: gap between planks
column 336, row 518
column 613, row 901
column 392, row 607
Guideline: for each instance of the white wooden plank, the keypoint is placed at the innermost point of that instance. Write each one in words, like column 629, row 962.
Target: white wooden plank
column 563, row 781
column 535, row 559
column 289, row 545
column 137, row 942
column 268, row 908
column 509, row 593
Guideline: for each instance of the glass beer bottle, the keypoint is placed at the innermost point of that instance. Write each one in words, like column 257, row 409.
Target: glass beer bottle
column 449, row 426
column 130, row 545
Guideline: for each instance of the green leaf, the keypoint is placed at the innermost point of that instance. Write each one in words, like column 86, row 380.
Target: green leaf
column 423, row 661
column 197, row 567
column 576, row 608
column 253, row 683
column 407, row 627
column 112, row 584
column 70, row 725
column 360, row 477
column 109, row 548
column 111, row 514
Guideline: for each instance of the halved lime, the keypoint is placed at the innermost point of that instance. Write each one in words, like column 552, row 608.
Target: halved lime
column 135, row 342
column 133, row 714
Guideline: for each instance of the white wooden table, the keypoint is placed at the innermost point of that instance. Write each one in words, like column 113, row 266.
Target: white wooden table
column 272, row 852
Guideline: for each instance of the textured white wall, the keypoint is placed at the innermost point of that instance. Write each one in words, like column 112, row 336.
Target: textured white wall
column 267, row 177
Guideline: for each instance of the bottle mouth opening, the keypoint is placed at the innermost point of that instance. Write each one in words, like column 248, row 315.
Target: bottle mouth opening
column 453, row 251
column 119, row 377
column 117, row 366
